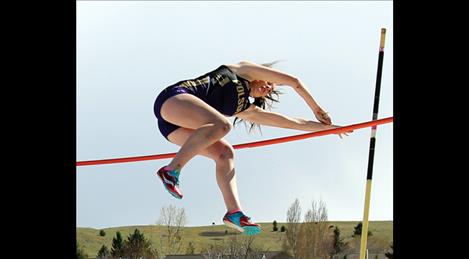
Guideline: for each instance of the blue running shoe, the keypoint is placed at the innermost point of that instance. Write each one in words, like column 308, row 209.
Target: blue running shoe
column 170, row 179
column 242, row 223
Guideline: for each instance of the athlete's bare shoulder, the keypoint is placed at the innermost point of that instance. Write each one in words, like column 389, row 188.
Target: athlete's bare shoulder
column 236, row 67
column 233, row 67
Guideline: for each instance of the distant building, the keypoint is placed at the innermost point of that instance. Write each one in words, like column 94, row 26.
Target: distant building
column 260, row 255
column 270, row 255
column 357, row 256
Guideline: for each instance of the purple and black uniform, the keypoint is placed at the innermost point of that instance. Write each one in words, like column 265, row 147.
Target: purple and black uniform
column 222, row 89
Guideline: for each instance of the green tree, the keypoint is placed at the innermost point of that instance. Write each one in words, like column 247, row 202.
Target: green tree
column 103, row 252
column 102, row 233
column 357, row 231
column 137, row 246
column 81, row 252
column 117, row 245
column 338, row 243
column 275, row 228
column 283, row 229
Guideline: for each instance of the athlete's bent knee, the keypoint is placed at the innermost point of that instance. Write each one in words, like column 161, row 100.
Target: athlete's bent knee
column 222, row 127
column 226, row 152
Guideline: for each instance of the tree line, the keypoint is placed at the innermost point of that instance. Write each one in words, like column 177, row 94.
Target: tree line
column 137, row 246
column 311, row 238
column 314, row 238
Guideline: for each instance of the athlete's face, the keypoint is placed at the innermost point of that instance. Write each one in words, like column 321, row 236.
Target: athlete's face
column 260, row 88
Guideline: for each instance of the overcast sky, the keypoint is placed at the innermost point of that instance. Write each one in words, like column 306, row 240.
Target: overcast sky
column 128, row 51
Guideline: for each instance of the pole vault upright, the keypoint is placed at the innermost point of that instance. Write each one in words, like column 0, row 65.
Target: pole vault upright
column 372, row 147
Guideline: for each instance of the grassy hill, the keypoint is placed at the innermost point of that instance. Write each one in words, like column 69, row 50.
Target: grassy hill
column 201, row 237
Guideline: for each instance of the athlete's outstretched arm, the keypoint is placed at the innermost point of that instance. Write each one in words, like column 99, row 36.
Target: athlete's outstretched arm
column 263, row 117
column 252, row 71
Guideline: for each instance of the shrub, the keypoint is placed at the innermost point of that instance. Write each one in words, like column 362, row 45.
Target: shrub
column 283, row 229
column 357, row 231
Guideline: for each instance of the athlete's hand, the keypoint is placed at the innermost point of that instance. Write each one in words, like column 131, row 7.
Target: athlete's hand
column 341, row 133
column 322, row 116
column 345, row 133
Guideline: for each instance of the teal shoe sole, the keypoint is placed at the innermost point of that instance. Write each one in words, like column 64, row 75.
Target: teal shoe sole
column 251, row 230
column 248, row 230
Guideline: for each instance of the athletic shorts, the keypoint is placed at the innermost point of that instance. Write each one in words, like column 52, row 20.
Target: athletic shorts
column 165, row 127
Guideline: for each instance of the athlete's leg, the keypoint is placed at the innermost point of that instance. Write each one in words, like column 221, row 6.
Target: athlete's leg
column 190, row 112
column 223, row 155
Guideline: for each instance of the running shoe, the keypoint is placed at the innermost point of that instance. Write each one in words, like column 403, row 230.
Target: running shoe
column 242, row 223
column 170, row 179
